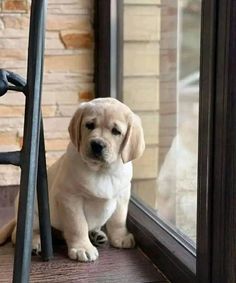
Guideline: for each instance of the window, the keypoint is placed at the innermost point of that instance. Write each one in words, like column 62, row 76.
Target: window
column 161, row 84
column 148, row 64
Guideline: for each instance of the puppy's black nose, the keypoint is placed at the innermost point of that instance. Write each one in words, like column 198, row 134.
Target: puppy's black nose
column 97, row 147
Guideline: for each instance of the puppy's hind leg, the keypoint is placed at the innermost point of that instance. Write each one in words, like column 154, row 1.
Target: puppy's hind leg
column 36, row 243
column 13, row 236
column 6, row 231
column 98, row 237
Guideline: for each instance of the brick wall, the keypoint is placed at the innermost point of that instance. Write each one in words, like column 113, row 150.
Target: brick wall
column 68, row 76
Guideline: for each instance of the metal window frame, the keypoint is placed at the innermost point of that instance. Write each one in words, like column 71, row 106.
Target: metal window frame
column 108, row 54
column 215, row 260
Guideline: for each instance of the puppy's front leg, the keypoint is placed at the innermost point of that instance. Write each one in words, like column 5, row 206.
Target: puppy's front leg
column 75, row 230
column 118, row 234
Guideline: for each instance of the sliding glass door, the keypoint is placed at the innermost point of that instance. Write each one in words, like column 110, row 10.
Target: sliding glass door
column 161, row 84
column 174, row 63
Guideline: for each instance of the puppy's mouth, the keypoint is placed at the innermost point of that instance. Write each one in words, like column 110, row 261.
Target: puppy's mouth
column 96, row 158
column 95, row 162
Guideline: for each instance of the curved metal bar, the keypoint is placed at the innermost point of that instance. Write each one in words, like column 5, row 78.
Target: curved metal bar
column 12, row 158
column 7, row 78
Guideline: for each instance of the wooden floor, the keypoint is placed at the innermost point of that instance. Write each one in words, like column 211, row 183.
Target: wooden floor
column 113, row 265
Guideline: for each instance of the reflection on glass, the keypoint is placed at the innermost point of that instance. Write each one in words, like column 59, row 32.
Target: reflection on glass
column 161, row 84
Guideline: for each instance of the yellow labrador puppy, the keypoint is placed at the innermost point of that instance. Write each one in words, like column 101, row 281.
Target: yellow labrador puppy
column 89, row 186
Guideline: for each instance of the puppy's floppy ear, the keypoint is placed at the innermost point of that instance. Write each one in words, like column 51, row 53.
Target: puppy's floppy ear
column 75, row 126
column 134, row 143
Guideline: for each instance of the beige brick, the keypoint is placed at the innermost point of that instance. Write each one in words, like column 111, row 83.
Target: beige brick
column 10, row 124
column 59, row 123
column 142, row 23
column 13, row 43
column 12, row 54
column 53, row 43
column 15, row 6
column 72, row 39
column 49, row 111
column 141, row 59
column 142, row 93
column 51, row 144
column 12, row 98
column 9, row 175
column 78, row 79
column 150, row 121
column 60, row 97
column 53, row 156
column 147, row 166
column 67, row 110
column 68, row 9
column 16, row 21
column 64, row 22
column 143, row 2
column 50, row 98
column 11, row 111
column 74, row 63
column 12, row 33
column 81, row 3
column 18, row 111
column 57, row 135
column 56, row 144
column 86, row 95
column 9, row 64
column 1, row 22
column 8, row 138
column 67, row 87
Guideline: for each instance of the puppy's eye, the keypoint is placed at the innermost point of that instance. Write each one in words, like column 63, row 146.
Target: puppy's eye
column 115, row 132
column 90, row 126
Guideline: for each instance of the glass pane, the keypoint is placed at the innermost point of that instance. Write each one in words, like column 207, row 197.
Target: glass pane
column 161, row 84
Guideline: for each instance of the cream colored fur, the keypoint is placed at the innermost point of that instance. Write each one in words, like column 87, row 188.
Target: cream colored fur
column 88, row 191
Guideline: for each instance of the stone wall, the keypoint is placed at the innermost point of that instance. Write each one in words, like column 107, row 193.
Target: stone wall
column 68, row 76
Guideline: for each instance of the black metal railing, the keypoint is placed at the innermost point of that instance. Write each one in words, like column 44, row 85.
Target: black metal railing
column 31, row 158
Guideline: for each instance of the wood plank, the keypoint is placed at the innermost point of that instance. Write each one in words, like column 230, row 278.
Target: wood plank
column 113, row 265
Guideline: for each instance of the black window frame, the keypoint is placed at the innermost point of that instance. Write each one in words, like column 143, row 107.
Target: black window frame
column 215, row 259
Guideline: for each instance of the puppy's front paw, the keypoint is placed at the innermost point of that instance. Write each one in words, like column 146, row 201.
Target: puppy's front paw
column 36, row 244
column 125, row 241
column 83, row 253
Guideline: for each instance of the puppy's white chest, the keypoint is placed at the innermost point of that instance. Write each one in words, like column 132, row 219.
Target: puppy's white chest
column 98, row 212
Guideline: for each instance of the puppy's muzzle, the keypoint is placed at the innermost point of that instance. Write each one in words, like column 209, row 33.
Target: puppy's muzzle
column 97, row 147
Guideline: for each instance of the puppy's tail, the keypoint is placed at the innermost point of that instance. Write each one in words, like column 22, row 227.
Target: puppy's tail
column 6, row 231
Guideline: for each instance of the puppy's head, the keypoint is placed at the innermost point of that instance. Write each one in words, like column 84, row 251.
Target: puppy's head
column 105, row 129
